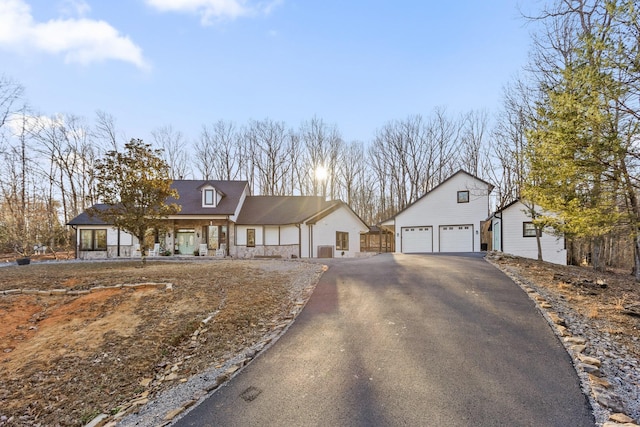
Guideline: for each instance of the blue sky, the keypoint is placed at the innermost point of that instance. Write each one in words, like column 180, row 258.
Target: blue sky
column 356, row 64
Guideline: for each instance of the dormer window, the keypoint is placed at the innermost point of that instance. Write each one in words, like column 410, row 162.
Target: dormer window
column 209, row 197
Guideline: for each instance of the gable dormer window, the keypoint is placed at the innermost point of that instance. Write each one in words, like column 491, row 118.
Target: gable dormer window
column 209, row 198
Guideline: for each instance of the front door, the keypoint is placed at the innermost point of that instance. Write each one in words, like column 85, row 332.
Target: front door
column 186, row 241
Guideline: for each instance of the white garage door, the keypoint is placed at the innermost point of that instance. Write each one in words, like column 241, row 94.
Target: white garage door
column 417, row 239
column 456, row 238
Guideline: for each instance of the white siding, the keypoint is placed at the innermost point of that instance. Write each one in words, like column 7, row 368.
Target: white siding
column 126, row 239
column 496, row 236
column 323, row 233
column 241, row 234
column 305, row 241
column 289, row 235
column 271, row 235
column 441, row 207
column 514, row 243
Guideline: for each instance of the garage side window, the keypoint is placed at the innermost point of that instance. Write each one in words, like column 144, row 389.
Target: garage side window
column 342, row 241
column 93, row 240
column 528, row 229
column 463, row 196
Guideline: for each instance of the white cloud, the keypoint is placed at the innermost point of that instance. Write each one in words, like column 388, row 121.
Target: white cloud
column 74, row 8
column 210, row 10
column 80, row 40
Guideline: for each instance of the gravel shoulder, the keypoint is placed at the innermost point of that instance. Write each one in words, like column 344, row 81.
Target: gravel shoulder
column 596, row 317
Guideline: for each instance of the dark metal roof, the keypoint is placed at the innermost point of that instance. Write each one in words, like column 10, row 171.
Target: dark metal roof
column 85, row 219
column 280, row 210
column 190, row 200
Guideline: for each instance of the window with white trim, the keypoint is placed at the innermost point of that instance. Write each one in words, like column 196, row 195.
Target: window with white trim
column 209, row 197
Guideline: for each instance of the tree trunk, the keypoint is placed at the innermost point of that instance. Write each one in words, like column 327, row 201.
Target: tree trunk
column 636, row 255
column 538, row 242
column 596, row 256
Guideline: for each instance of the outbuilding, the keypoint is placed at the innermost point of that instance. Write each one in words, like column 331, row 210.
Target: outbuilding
column 513, row 232
column 446, row 219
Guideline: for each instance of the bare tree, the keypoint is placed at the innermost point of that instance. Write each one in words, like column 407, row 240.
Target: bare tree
column 10, row 93
column 105, row 132
column 322, row 143
column 474, row 128
column 66, row 143
column 219, row 151
column 270, row 147
column 174, row 150
column 350, row 169
column 28, row 217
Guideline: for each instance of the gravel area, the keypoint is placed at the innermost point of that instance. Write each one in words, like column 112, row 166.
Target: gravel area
column 615, row 387
column 168, row 406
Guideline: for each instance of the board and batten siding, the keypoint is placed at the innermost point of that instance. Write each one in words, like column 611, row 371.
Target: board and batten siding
column 510, row 226
column 440, row 207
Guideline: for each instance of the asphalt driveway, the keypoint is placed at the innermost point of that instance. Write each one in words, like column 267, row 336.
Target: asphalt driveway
column 407, row 340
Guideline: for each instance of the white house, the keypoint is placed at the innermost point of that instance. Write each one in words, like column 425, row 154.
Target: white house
column 222, row 218
column 513, row 232
column 303, row 226
column 446, row 219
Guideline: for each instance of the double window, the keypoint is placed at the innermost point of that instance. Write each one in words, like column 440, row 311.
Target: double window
column 93, row 240
column 342, row 241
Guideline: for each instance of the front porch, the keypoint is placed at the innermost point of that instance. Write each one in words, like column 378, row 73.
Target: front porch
column 194, row 237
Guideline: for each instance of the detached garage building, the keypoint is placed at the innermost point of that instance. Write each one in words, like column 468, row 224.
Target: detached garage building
column 446, row 219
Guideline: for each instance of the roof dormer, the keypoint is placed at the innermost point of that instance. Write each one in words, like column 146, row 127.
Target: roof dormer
column 210, row 196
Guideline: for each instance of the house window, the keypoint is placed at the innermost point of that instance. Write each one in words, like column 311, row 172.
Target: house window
column 216, row 235
column 93, row 240
column 528, row 229
column 209, row 199
column 342, row 241
column 251, row 237
column 463, row 196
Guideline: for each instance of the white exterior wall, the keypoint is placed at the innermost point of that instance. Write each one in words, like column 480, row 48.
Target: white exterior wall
column 323, row 233
column 127, row 243
column 514, row 243
column 440, row 207
column 241, row 234
column 243, row 196
column 289, row 235
column 305, row 241
column 271, row 240
column 271, row 235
